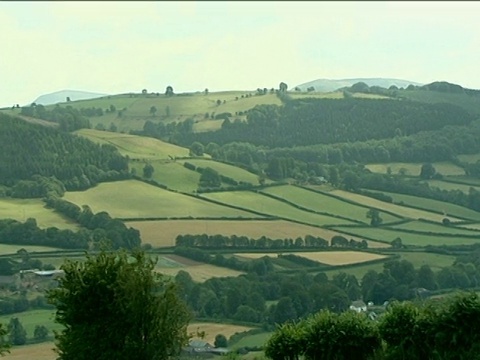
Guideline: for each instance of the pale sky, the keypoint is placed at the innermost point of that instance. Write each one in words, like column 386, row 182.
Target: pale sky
column 119, row 47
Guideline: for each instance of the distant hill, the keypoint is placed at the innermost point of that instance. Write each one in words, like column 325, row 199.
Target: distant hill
column 61, row 96
column 327, row 85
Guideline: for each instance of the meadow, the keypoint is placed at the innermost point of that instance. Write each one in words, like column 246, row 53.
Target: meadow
column 12, row 248
column 171, row 174
column 132, row 199
column 408, row 238
column 469, row 158
column 135, row 147
column 427, row 204
column 323, row 203
column 449, row 186
column 435, row 228
column 162, row 233
column 22, row 209
column 32, row 318
column 231, row 171
column 402, row 211
column 266, row 205
column 334, row 258
column 213, row 329
column 413, row 169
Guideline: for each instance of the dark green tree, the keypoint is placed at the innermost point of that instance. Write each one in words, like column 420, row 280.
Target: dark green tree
column 148, row 170
column 374, row 216
column 40, row 333
column 114, row 306
column 220, row 341
column 169, row 91
column 153, row 110
column 210, row 178
column 427, row 171
column 17, row 333
column 197, row 148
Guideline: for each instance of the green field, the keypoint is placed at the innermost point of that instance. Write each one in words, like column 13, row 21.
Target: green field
column 12, row 249
column 135, row 147
column 172, row 174
column 427, row 204
column 413, row 169
column 449, row 186
column 324, row 203
column 266, row 205
column 231, row 171
column 469, row 158
column 133, row 199
column 435, row 228
column 31, row 318
column 406, row 212
column 385, row 234
column 252, row 340
column 22, row 209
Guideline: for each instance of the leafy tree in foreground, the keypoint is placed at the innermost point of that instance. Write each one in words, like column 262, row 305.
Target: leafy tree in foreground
column 4, row 345
column 113, row 306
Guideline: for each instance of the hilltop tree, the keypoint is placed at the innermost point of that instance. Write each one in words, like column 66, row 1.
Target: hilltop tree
column 144, row 91
column 169, row 91
column 283, row 87
column 114, row 306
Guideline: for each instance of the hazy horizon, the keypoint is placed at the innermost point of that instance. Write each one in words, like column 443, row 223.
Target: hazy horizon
column 120, row 47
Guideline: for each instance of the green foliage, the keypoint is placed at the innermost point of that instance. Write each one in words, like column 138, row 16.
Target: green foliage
column 145, row 317
column 197, row 149
column 40, row 333
column 220, row 341
column 286, row 343
column 17, row 334
column 374, row 216
column 210, row 178
column 4, row 345
column 148, row 170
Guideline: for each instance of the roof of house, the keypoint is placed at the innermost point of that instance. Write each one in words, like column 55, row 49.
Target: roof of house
column 199, row 344
column 358, row 304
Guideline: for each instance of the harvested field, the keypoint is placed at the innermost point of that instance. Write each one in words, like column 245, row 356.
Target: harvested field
column 42, row 351
column 397, row 209
column 162, row 233
column 328, row 257
column 213, row 329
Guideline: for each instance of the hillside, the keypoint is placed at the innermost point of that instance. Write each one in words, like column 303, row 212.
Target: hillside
column 327, row 85
column 61, row 96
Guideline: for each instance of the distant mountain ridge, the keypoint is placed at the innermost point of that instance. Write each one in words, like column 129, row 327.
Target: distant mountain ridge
column 327, row 85
column 61, row 96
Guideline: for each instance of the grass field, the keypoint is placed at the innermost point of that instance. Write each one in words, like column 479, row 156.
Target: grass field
column 424, row 203
column 324, row 203
column 435, row 228
column 234, row 172
column 172, row 174
column 162, row 233
column 135, row 199
column 31, row 318
column 257, row 202
column 213, row 329
column 22, row 209
column 326, row 257
column 200, row 272
column 12, row 249
column 413, row 169
column 396, row 209
column 135, row 147
column 449, row 186
column 386, row 234
column 252, row 340
column 469, row 158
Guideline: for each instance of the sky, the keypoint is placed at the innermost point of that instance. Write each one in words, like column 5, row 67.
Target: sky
column 119, row 47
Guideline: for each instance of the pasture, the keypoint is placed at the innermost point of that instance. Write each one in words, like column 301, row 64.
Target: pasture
column 449, row 186
column 323, row 203
column 435, row 228
column 135, row 147
column 334, row 258
column 132, row 199
column 12, row 249
column 266, row 205
column 200, row 272
column 413, row 169
column 231, row 171
column 213, row 329
column 255, row 340
column 22, row 209
column 31, row 318
column 427, row 204
column 162, row 233
column 171, row 174
column 393, row 208
column 408, row 238
column 469, row 158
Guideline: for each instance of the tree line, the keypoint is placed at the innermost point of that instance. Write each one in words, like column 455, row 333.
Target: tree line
column 67, row 118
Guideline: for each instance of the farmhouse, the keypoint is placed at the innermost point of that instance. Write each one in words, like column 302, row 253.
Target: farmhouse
column 358, row 306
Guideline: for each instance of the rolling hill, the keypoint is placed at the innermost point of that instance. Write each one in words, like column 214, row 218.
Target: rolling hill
column 62, row 95
column 328, row 85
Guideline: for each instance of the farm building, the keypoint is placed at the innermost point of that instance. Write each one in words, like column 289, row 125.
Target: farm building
column 358, row 306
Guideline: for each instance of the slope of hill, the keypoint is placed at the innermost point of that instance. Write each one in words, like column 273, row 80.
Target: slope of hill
column 61, row 96
column 327, row 85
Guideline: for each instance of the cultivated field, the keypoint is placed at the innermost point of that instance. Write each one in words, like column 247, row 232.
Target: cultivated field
column 469, row 158
column 171, row 174
column 162, row 233
column 135, row 147
column 22, row 209
column 334, row 258
column 445, row 185
column 231, row 171
column 213, row 329
column 200, row 272
column 133, row 199
column 387, row 234
column 12, row 249
column 396, row 209
column 42, row 351
column 413, row 169
column 324, row 203
column 266, row 205
column 427, row 204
